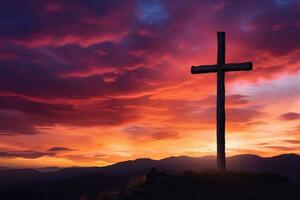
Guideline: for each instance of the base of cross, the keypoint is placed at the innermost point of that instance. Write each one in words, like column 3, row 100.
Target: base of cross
column 220, row 68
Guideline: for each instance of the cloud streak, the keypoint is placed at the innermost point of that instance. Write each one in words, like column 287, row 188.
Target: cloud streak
column 290, row 116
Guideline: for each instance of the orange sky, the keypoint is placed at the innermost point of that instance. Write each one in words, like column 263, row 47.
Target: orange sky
column 96, row 83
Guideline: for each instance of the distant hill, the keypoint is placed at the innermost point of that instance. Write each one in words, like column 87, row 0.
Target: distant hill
column 48, row 169
column 77, row 180
column 286, row 165
column 5, row 168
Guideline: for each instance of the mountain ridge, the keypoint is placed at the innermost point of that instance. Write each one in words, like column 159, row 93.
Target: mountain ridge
column 55, row 168
column 33, row 183
column 285, row 164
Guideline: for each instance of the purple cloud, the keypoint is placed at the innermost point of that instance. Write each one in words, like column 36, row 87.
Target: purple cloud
column 290, row 116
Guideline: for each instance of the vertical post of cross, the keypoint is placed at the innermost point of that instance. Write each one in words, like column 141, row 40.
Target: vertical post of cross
column 221, row 103
column 221, row 68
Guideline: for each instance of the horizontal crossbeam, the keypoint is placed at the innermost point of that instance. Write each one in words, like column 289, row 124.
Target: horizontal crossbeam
column 237, row 66
column 227, row 67
column 204, row 69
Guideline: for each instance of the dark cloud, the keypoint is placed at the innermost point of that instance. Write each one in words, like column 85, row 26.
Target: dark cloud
column 60, row 149
column 275, row 26
column 20, row 116
column 231, row 100
column 256, row 123
column 82, row 158
column 282, row 148
column 263, row 144
column 208, row 115
column 237, row 99
column 167, row 134
column 145, row 133
column 243, row 114
column 33, row 107
column 292, row 141
column 290, row 116
column 63, row 22
column 14, row 122
column 28, row 78
column 25, row 154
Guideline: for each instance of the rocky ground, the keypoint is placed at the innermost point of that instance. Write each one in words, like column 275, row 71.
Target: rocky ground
column 210, row 185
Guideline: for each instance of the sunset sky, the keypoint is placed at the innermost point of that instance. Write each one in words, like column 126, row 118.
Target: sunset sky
column 91, row 82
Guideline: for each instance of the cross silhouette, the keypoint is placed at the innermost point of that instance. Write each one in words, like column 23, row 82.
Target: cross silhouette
column 221, row 68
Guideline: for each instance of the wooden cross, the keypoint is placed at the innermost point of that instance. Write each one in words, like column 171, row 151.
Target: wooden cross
column 221, row 68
